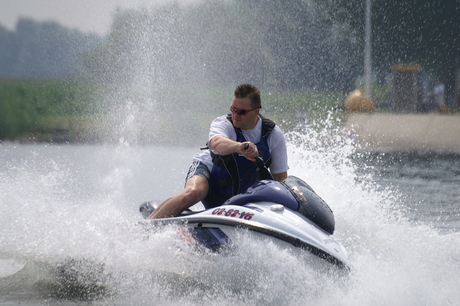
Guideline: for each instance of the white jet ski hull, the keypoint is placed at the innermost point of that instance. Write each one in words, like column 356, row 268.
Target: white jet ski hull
column 289, row 211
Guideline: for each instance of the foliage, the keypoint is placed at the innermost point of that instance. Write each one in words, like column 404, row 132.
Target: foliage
column 174, row 63
column 422, row 32
column 287, row 44
column 40, row 107
column 276, row 44
column 42, row 49
column 76, row 110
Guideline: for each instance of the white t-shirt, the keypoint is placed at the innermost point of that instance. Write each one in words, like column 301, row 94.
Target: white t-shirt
column 277, row 146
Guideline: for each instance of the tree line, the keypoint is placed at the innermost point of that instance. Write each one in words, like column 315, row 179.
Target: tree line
column 282, row 44
column 293, row 44
column 43, row 50
column 422, row 32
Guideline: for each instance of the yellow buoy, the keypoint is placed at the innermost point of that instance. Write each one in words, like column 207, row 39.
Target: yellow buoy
column 357, row 102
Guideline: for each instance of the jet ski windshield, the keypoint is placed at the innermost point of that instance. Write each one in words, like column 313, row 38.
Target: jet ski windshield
column 294, row 194
column 310, row 204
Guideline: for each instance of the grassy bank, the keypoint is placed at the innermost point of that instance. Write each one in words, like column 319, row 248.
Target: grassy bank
column 42, row 109
column 74, row 110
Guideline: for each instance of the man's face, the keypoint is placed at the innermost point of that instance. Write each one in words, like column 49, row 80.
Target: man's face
column 249, row 119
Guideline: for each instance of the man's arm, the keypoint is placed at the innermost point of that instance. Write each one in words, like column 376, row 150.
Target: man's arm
column 278, row 150
column 280, row 176
column 225, row 146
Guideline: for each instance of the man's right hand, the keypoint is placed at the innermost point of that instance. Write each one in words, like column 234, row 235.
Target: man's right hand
column 249, row 150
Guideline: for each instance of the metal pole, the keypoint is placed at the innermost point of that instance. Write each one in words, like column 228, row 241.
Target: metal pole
column 367, row 51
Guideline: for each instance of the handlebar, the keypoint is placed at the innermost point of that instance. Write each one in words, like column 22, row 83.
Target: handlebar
column 263, row 173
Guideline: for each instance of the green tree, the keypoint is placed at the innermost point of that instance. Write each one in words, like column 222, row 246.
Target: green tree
column 420, row 32
column 274, row 43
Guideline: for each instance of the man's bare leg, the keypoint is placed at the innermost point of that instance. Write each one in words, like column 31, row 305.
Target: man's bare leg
column 195, row 190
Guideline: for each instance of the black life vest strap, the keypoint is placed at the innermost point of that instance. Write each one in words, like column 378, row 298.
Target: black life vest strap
column 267, row 125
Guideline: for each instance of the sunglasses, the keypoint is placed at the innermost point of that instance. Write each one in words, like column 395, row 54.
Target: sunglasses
column 242, row 111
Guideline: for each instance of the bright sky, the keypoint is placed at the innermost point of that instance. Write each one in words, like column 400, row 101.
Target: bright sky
column 85, row 15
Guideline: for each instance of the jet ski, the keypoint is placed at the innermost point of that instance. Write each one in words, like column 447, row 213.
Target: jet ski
column 288, row 211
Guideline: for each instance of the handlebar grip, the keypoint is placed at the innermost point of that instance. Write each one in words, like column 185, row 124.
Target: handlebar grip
column 264, row 174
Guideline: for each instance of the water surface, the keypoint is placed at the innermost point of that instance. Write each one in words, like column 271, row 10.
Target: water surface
column 70, row 212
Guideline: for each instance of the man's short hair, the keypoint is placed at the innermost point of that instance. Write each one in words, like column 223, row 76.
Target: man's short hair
column 248, row 91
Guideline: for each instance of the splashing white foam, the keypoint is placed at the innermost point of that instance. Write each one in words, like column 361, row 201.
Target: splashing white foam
column 77, row 202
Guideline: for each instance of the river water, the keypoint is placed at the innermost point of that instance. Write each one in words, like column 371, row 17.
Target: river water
column 71, row 231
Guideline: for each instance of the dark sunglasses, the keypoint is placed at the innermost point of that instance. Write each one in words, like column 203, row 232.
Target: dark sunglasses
column 242, row 111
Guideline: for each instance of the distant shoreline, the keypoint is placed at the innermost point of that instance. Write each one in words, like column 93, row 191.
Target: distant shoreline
column 374, row 132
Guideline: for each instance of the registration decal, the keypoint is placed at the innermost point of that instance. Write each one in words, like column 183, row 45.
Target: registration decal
column 233, row 213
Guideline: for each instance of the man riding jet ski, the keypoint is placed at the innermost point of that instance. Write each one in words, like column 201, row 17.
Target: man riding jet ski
column 226, row 167
column 232, row 181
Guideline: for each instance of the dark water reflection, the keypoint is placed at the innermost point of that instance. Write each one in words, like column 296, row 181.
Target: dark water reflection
column 428, row 182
